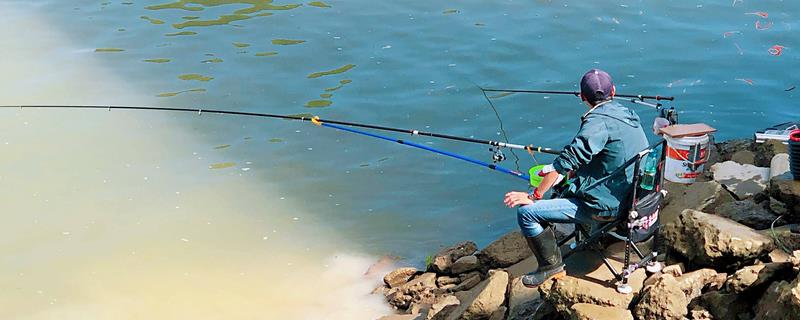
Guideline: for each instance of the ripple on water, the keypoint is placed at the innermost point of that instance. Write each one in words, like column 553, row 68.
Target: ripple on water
column 108, row 50
column 214, row 60
column 158, row 60
column 182, row 33
column 339, row 70
column 152, row 20
column 172, row 94
column 319, row 4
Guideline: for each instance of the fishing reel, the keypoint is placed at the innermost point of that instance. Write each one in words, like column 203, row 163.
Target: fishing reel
column 497, row 155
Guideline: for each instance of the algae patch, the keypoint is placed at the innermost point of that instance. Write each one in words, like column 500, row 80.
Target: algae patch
column 241, row 44
column 152, row 20
column 342, row 83
column 339, row 70
column 160, row 60
column 222, row 165
column 325, row 95
column 450, row 11
column 195, row 76
column 222, row 146
column 222, row 20
column 319, row 4
column 108, row 50
column 318, row 103
column 275, row 140
column 172, row 94
column 182, row 33
column 215, row 60
column 266, row 54
column 286, row 42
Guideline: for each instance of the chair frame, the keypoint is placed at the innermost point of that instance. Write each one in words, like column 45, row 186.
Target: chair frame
column 624, row 221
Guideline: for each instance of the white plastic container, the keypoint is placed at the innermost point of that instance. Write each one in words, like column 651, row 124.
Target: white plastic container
column 686, row 157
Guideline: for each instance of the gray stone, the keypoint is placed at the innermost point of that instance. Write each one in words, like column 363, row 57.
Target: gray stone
column 499, row 314
column 779, row 165
column 780, row 301
column 483, row 300
column 445, row 280
column 442, row 303
column 445, row 258
column 725, row 306
column 787, row 190
column 692, row 283
column 757, row 277
column 506, row 251
column 402, row 317
column 713, row 241
column 523, row 302
column 744, row 180
column 764, row 152
column 586, row 311
column 784, row 238
column 465, row 264
column 662, row 300
column 702, row 196
column 779, row 208
column 743, row 157
column 748, row 213
column 399, row 276
column 467, row 283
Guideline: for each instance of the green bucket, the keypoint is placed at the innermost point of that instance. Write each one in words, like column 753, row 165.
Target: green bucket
column 534, row 174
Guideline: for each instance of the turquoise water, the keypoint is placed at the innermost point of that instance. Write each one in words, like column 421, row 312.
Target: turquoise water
column 416, row 64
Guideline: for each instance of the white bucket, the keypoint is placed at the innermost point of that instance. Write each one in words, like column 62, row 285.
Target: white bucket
column 685, row 158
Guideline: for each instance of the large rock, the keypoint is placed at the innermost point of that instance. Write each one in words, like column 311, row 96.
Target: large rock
column 523, row 302
column 662, row 300
column 419, row 290
column 508, row 250
column 482, row 301
column 702, row 196
column 712, row 241
column 585, row 311
column 445, row 258
column 442, row 303
column 465, row 264
column 744, row 180
column 780, row 301
column 727, row 306
column 757, row 277
column 765, row 152
column 779, row 165
column 783, row 236
column 693, row 283
column 399, row 276
column 402, row 317
column 787, row 190
column 748, row 213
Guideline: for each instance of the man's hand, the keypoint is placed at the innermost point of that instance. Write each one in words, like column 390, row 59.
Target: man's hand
column 516, row 198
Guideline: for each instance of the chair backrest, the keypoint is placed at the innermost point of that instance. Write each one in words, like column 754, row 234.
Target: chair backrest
column 645, row 203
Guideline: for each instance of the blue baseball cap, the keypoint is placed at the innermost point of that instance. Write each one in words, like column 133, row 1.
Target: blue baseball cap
column 596, row 85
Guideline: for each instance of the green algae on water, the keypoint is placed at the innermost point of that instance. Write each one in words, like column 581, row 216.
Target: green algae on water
column 264, row 14
column 190, row 17
column 222, row 146
column 198, row 5
column 182, row 33
column 222, row 165
column 215, row 60
column 195, row 76
column 152, row 20
column 275, row 140
column 159, row 60
column 341, row 84
column 318, row 103
column 266, row 54
column 108, row 50
column 331, row 72
column 241, row 44
column 222, row 20
column 325, row 95
column 450, row 11
column 319, row 4
column 286, row 42
column 172, row 94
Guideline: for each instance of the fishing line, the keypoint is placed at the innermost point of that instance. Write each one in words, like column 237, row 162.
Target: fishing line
column 502, row 129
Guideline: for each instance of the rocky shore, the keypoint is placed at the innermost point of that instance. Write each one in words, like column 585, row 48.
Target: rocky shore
column 729, row 249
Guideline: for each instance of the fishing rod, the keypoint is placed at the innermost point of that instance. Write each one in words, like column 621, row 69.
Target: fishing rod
column 339, row 125
column 499, row 144
column 576, row 93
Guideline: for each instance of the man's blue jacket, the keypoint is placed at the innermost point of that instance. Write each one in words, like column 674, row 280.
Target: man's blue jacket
column 610, row 134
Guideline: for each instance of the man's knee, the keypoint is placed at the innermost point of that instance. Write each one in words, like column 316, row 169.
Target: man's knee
column 527, row 213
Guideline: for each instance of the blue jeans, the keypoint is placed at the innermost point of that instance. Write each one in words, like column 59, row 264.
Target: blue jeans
column 530, row 217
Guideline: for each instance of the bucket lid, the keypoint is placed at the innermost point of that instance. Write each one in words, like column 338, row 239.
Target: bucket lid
column 795, row 135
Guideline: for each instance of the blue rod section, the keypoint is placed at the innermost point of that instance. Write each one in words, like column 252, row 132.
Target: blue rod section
column 442, row 152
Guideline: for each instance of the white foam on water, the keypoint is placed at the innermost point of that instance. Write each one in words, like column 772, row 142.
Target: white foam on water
column 112, row 215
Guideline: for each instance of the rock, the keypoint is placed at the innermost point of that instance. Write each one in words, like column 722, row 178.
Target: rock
column 483, row 300
column 676, row 270
column 744, row 180
column 780, row 301
column 712, row 241
column 795, row 259
column 779, row 208
column 419, row 308
column 692, row 283
column 779, row 165
column 465, row 264
column 726, row 306
column 747, row 213
column 468, row 283
column 757, row 277
column 442, row 303
column 700, row 313
column 743, row 157
column 442, row 261
column 702, row 196
column 586, row 311
column 425, row 280
column 399, row 299
column 508, row 250
column 399, row 277
column 402, row 317
column 523, row 302
column 766, row 151
column 662, row 300
column 445, row 280
column 786, row 239
column 725, row 150
column 787, row 190
column 499, row 314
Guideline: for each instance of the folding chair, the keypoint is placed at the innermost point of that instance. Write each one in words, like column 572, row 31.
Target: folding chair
column 640, row 224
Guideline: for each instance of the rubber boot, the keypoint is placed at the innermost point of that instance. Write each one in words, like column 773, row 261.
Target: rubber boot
column 545, row 248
